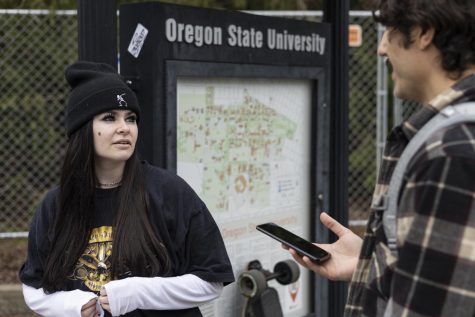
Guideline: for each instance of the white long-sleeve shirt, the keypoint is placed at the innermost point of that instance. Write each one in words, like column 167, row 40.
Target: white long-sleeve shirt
column 126, row 295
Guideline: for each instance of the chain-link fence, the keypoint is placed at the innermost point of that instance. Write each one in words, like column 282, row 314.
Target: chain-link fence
column 363, row 139
column 36, row 46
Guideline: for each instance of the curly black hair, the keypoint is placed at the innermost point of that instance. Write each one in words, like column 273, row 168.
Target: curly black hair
column 452, row 20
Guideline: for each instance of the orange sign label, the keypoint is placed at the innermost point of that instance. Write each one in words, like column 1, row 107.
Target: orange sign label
column 355, row 35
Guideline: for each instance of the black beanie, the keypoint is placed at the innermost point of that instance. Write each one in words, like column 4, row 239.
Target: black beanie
column 95, row 88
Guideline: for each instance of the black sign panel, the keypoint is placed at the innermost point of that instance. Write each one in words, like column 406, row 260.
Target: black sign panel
column 151, row 33
column 250, row 94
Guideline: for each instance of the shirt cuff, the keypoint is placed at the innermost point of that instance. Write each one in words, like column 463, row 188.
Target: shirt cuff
column 58, row 304
column 160, row 293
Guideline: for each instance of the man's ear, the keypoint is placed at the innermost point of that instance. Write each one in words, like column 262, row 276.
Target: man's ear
column 424, row 39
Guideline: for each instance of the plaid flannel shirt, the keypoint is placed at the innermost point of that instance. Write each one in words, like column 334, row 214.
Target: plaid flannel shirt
column 434, row 274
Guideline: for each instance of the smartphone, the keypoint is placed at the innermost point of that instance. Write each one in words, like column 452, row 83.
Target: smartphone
column 302, row 246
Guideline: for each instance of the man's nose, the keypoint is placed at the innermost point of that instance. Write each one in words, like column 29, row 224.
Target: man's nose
column 383, row 44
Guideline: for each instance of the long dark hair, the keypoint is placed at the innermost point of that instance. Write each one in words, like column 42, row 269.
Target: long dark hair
column 135, row 249
column 452, row 20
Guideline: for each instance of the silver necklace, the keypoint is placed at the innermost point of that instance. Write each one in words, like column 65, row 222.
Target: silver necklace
column 108, row 185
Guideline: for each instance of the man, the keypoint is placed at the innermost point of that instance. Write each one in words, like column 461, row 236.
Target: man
column 430, row 45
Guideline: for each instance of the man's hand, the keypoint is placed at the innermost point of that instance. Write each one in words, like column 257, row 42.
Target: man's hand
column 103, row 300
column 344, row 252
column 89, row 309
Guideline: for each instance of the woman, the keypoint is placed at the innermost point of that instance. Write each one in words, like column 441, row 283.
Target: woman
column 119, row 236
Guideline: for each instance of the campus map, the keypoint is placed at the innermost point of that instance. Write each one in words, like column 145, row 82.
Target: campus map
column 232, row 140
column 243, row 145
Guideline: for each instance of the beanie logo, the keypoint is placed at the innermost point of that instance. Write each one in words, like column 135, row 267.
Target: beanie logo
column 121, row 100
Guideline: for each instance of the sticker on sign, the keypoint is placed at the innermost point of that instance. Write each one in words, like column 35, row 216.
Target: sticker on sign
column 137, row 41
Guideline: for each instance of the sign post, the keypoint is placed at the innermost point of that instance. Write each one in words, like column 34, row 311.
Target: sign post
column 97, row 31
column 336, row 13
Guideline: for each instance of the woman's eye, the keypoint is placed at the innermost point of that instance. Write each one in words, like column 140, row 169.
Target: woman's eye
column 108, row 117
column 132, row 119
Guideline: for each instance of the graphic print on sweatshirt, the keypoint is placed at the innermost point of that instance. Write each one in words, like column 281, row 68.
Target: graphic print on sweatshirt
column 93, row 267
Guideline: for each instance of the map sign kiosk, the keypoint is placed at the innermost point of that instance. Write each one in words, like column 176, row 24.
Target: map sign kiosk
column 237, row 105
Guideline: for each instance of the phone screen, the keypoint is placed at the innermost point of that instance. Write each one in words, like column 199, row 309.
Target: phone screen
column 293, row 241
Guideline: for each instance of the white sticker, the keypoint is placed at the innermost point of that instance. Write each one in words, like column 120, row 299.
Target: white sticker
column 137, row 40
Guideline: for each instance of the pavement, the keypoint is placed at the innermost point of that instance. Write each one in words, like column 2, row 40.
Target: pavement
column 12, row 303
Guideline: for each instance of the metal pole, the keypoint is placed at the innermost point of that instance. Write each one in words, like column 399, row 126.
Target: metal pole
column 382, row 105
column 337, row 14
column 397, row 111
column 97, row 31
